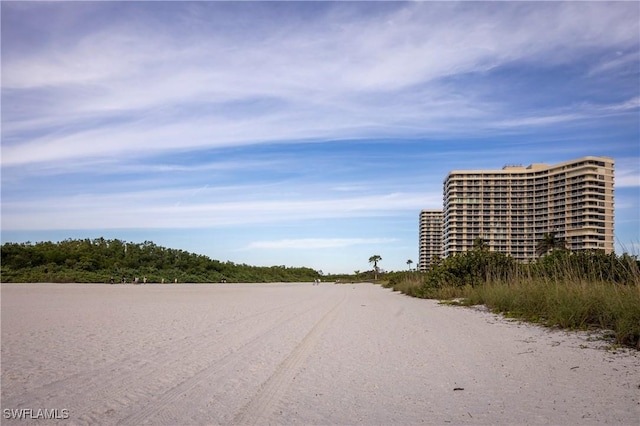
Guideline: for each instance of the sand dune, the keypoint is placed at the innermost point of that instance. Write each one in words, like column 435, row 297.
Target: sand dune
column 294, row 354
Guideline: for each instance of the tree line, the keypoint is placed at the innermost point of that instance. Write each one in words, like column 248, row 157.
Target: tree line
column 100, row 261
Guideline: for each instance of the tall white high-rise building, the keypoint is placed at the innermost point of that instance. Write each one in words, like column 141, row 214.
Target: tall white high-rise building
column 511, row 209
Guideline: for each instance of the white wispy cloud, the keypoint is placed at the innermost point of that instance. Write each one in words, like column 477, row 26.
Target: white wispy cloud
column 538, row 120
column 182, row 209
column 583, row 111
column 316, row 243
column 619, row 63
column 627, row 173
column 631, row 104
column 333, row 80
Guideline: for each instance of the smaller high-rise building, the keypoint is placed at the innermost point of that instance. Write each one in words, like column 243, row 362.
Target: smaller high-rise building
column 430, row 237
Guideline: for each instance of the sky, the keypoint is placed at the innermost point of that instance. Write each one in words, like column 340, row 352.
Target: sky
column 300, row 133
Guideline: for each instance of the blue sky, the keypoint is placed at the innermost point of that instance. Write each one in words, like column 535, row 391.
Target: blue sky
column 300, row 133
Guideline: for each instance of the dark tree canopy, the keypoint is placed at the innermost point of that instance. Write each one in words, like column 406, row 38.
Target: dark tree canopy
column 101, row 260
column 549, row 242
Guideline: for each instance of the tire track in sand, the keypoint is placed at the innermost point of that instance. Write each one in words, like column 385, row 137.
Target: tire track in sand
column 258, row 410
column 156, row 407
column 116, row 392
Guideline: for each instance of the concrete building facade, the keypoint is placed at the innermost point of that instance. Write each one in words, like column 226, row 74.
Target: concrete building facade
column 511, row 209
column 430, row 237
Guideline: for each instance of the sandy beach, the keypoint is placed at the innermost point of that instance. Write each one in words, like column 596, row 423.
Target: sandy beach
column 294, row 354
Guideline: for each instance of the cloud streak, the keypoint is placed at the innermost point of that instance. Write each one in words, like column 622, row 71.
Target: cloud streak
column 180, row 209
column 317, row 243
column 150, row 93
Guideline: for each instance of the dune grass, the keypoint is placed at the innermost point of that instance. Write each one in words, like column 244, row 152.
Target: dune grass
column 592, row 291
column 567, row 304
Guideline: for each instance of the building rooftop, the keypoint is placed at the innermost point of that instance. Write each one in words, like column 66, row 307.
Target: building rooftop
column 518, row 168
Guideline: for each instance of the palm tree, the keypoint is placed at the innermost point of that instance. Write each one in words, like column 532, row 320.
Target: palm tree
column 409, row 262
column 548, row 243
column 480, row 245
column 375, row 259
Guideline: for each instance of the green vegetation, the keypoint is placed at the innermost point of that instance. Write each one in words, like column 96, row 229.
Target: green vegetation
column 548, row 243
column 580, row 290
column 356, row 277
column 100, row 260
